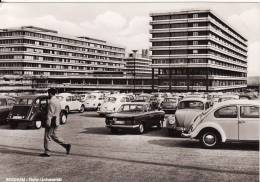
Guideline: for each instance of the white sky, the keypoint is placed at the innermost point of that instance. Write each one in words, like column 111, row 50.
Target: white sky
column 127, row 24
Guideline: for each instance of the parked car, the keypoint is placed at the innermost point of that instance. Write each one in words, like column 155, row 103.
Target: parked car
column 233, row 120
column 169, row 105
column 135, row 115
column 6, row 105
column 187, row 109
column 93, row 101
column 143, row 98
column 225, row 97
column 32, row 111
column 70, row 102
column 112, row 103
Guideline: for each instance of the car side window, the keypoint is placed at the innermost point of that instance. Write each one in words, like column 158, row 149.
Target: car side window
column 10, row 102
column 249, row 112
column 74, row 98
column 43, row 104
column 3, row 102
column 206, row 105
column 68, row 99
column 226, row 112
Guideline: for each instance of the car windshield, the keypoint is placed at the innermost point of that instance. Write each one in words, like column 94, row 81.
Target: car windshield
column 2, row 102
column 59, row 97
column 191, row 105
column 111, row 99
column 91, row 97
column 141, row 97
column 131, row 108
column 170, row 100
column 24, row 101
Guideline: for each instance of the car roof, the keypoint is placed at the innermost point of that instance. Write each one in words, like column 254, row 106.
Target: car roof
column 31, row 96
column 65, row 94
column 136, row 103
column 194, row 99
column 237, row 102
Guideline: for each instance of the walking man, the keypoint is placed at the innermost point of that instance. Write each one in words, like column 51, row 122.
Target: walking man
column 52, row 124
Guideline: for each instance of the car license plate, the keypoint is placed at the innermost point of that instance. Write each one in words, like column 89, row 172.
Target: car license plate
column 17, row 117
column 119, row 122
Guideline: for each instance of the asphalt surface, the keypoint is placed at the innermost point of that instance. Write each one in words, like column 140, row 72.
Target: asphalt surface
column 98, row 155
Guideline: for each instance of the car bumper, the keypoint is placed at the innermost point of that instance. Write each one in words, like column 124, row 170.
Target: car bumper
column 123, row 126
column 19, row 121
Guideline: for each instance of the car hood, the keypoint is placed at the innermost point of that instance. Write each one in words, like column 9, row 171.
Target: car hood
column 20, row 110
column 184, row 117
column 126, row 114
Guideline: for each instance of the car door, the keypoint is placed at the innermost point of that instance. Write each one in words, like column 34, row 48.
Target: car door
column 227, row 118
column 43, row 109
column 4, row 110
column 249, row 122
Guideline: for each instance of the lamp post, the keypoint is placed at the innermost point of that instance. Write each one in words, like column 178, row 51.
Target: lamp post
column 134, row 51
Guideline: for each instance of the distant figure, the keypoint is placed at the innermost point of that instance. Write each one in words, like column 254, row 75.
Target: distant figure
column 52, row 124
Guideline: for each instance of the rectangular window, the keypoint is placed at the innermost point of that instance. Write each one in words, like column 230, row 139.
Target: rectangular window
column 249, row 112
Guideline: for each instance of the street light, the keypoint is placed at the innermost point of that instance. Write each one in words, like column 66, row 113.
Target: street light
column 134, row 51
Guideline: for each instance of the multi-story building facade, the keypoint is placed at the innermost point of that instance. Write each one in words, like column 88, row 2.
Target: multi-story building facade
column 34, row 59
column 197, row 51
column 32, row 55
column 139, row 64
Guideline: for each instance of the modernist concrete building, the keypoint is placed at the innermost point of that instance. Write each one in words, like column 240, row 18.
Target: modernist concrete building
column 34, row 58
column 197, row 51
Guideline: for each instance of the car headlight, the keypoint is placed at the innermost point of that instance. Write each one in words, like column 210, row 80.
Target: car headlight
column 171, row 119
column 114, row 119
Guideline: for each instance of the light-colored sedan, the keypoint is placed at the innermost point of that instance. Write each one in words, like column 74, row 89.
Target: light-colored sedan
column 232, row 120
column 112, row 104
column 70, row 102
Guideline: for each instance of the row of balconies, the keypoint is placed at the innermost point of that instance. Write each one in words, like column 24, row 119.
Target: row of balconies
column 167, row 48
column 58, row 42
column 209, row 19
column 70, row 56
column 191, row 56
column 197, row 65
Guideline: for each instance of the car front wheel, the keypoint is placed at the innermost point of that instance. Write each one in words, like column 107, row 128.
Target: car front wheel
column 38, row 124
column 82, row 109
column 63, row 119
column 209, row 139
column 141, row 128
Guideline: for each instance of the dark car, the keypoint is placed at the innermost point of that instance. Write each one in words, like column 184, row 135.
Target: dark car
column 169, row 104
column 32, row 111
column 137, row 116
column 6, row 104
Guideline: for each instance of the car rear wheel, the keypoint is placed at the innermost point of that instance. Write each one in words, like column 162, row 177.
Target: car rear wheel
column 209, row 139
column 67, row 109
column 160, row 124
column 82, row 109
column 141, row 128
column 37, row 124
column 63, row 118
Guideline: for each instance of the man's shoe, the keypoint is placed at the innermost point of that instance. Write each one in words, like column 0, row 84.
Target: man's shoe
column 68, row 147
column 44, row 155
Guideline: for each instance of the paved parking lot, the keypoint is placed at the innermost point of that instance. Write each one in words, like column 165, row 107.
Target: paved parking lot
column 97, row 155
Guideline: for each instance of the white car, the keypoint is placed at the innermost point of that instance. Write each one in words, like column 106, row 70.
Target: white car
column 93, row 101
column 70, row 102
column 232, row 120
column 112, row 103
column 187, row 109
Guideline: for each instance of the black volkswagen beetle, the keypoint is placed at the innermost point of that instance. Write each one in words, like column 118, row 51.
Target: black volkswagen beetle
column 136, row 115
column 32, row 111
